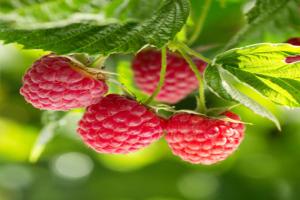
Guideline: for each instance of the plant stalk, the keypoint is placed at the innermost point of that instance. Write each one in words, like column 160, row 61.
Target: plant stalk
column 201, row 107
column 99, row 62
column 162, row 75
column 192, row 52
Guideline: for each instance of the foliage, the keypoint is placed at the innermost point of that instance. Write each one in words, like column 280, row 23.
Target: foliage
column 255, row 75
column 132, row 25
column 105, row 39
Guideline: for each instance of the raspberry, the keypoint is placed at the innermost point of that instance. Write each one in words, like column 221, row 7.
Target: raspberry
column 52, row 83
column 291, row 59
column 202, row 140
column 119, row 125
column 179, row 81
column 294, row 41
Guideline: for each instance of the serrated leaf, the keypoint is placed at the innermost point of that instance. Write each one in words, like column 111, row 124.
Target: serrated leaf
column 214, row 82
column 228, row 89
column 244, row 99
column 106, row 39
column 264, row 68
column 275, row 89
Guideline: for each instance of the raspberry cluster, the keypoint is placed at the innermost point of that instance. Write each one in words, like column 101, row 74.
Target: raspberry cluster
column 118, row 124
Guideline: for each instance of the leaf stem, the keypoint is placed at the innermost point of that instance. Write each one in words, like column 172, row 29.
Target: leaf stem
column 199, row 25
column 162, row 75
column 192, row 52
column 99, row 62
column 201, row 107
column 121, row 86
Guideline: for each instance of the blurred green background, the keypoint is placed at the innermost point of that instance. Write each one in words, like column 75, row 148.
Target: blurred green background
column 266, row 166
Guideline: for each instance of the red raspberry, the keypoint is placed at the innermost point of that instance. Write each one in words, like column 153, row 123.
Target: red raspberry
column 180, row 79
column 119, row 125
column 294, row 41
column 52, row 83
column 202, row 140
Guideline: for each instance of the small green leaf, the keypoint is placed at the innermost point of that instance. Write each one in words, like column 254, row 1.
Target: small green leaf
column 264, row 68
column 214, row 82
column 275, row 89
column 236, row 94
column 106, row 39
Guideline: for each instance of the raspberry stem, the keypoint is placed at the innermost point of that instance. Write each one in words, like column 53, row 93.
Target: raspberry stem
column 162, row 75
column 123, row 88
column 99, row 62
column 201, row 20
column 201, row 107
column 192, row 52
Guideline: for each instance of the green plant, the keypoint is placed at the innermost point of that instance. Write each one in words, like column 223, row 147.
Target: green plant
column 253, row 75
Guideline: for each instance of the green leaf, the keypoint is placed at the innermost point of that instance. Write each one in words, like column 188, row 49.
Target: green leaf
column 226, row 86
column 236, row 94
column 267, row 17
column 131, row 9
column 47, row 13
column 264, row 68
column 275, row 89
column 214, row 82
column 106, row 39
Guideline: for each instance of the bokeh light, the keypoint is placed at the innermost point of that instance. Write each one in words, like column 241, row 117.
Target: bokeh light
column 72, row 165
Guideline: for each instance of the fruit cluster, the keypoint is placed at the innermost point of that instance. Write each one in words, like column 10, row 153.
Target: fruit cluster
column 118, row 124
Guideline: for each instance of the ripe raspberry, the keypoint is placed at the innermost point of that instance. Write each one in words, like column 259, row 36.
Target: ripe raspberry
column 119, row 125
column 294, row 41
column 202, row 140
column 52, row 83
column 179, row 81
